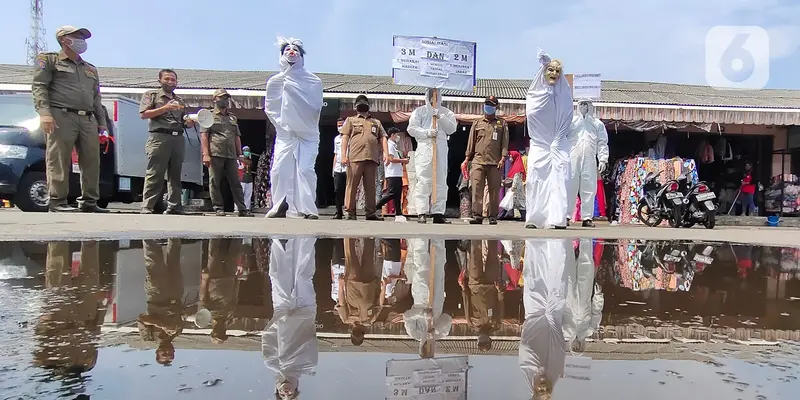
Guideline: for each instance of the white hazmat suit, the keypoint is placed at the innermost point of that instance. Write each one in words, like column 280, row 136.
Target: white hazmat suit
column 289, row 342
column 293, row 104
column 549, row 112
column 418, row 271
column 420, row 126
column 542, row 350
column 589, row 141
column 584, row 306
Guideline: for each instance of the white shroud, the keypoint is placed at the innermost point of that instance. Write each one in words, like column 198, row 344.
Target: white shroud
column 549, row 113
column 289, row 342
column 293, row 104
column 542, row 349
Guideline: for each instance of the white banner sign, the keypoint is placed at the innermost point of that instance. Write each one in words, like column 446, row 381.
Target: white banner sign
column 578, row 368
column 440, row 378
column 434, row 62
column 586, row 86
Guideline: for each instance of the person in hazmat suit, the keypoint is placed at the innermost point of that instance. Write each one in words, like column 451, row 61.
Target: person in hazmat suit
column 589, row 141
column 425, row 321
column 548, row 107
column 293, row 104
column 542, row 350
column 420, row 126
column 584, row 304
column 289, row 342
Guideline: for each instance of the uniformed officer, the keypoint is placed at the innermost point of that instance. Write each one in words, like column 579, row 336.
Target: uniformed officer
column 363, row 138
column 487, row 150
column 165, row 147
column 66, row 94
column 222, row 147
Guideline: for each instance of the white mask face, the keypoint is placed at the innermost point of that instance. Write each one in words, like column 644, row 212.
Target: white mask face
column 292, row 53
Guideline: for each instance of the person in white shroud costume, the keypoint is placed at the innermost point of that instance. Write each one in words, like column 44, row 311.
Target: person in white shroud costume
column 584, row 305
column 289, row 342
column 420, row 126
column 425, row 321
column 293, row 104
column 589, row 142
column 548, row 107
column 542, row 350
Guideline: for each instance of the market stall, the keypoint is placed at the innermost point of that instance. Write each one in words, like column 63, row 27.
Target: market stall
column 629, row 175
column 785, row 186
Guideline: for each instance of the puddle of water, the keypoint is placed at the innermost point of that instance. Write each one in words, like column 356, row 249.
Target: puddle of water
column 106, row 318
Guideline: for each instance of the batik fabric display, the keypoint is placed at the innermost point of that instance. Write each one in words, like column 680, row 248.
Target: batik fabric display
column 791, row 190
column 629, row 271
column 630, row 183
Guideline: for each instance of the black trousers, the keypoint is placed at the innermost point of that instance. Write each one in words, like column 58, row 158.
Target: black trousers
column 339, row 186
column 395, row 192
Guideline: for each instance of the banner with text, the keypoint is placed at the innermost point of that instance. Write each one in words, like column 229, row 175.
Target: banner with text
column 586, row 86
column 433, row 62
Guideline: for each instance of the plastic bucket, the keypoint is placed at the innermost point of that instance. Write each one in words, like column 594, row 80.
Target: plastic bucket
column 773, row 220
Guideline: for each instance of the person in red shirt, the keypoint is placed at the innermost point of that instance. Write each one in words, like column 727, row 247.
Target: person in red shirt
column 748, row 190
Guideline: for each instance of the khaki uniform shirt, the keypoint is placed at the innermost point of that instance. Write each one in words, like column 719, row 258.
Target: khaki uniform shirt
column 60, row 83
column 488, row 141
column 366, row 135
column 222, row 135
column 171, row 121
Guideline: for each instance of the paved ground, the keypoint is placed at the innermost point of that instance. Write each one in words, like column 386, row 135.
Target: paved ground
column 16, row 225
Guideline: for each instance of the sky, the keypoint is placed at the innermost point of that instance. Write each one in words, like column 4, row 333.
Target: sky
column 631, row 40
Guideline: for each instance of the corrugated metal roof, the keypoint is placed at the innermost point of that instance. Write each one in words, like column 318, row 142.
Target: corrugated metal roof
column 613, row 91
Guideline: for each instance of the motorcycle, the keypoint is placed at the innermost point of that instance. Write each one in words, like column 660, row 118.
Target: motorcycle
column 699, row 203
column 660, row 202
column 700, row 256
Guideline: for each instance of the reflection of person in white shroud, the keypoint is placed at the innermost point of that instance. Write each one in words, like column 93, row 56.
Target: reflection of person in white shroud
column 542, row 350
column 584, row 305
column 420, row 126
column 589, row 142
column 293, row 103
column 289, row 342
column 425, row 321
column 548, row 107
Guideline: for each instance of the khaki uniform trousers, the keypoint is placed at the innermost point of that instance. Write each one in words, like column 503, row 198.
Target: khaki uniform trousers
column 227, row 169
column 357, row 172
column 480, row 176
column 79, row 132
column 165, row 154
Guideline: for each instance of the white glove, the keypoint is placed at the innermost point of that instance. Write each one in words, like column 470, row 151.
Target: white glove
column 432, row 133
column 602, row 167
column 435, row 112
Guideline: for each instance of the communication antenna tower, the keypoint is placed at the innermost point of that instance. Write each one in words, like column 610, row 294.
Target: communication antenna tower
column 36, row 42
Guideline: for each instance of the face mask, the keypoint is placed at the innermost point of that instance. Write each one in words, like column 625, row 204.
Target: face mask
column 223, row 103
column 77, row 45
column 362, row 108
column 167, row 87
column 489, row 110
column 246, row 153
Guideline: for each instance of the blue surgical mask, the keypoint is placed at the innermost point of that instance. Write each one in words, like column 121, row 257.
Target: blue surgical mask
column 489, row 110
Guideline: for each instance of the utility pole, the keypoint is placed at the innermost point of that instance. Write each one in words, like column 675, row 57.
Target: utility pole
column 36, row 42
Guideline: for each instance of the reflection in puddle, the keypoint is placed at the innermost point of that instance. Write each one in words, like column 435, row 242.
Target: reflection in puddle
column 510, row 305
